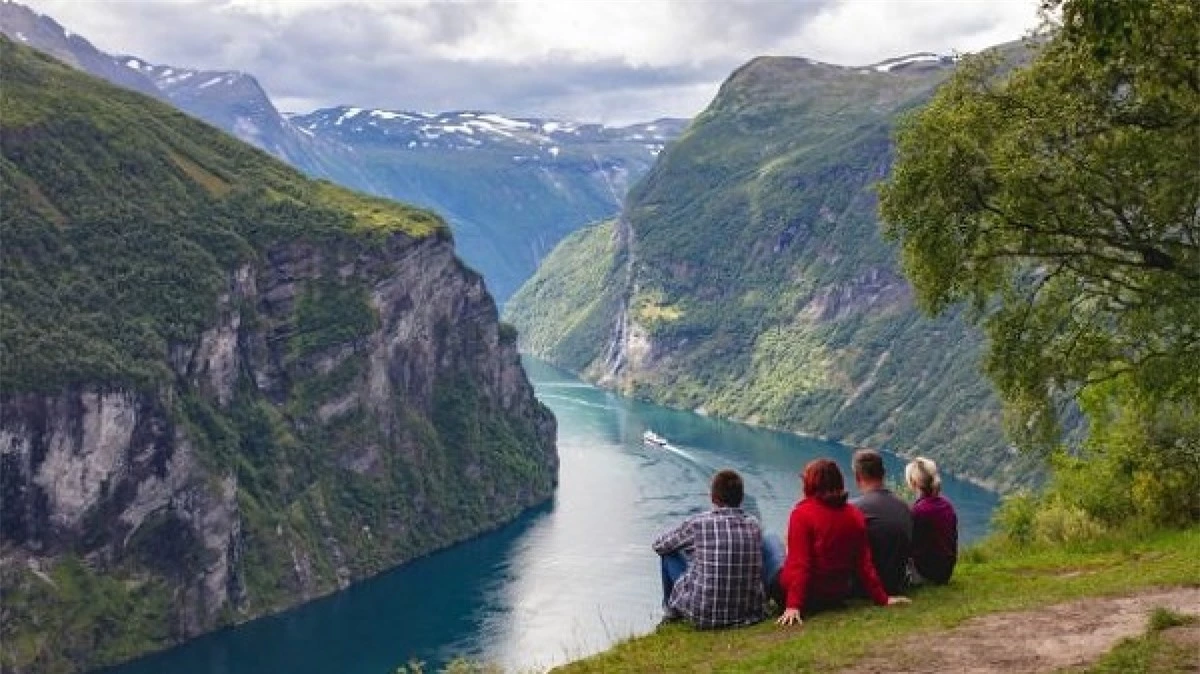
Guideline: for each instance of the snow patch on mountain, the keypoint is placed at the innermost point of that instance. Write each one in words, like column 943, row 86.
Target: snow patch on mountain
column 900, row 62
column 350, row 113
column 500, row 120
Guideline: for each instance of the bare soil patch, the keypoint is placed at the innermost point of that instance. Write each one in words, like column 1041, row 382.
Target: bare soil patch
column 1187, row 636
column 1040, row 640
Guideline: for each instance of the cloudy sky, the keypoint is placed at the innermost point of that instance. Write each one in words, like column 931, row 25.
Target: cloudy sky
column 612, row 61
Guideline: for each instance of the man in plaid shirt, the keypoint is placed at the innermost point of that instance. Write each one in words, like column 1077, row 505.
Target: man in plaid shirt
column 712, row 563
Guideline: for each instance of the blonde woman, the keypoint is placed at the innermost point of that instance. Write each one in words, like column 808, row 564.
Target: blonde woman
column 935, row 525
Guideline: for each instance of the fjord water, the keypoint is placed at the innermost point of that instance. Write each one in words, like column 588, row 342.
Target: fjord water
column 565, row 580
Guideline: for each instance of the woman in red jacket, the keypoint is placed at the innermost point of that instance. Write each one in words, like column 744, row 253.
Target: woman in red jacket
column 827, row 547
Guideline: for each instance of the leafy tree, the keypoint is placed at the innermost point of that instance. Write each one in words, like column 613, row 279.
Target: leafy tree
column 1062, row 201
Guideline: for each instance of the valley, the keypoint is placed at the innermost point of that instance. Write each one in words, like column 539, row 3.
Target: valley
column 332, row 337
column 566, row 579
column 746, row 277
column 510, row 189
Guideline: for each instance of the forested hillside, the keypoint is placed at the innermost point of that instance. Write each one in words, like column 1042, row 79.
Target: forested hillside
column 747, row 276
column 226, row 388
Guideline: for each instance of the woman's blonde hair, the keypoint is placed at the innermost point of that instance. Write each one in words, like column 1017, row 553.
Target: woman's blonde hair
column 922, row 475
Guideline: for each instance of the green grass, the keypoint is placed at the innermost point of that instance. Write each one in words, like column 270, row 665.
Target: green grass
column 1152, row 652
column 989, row 579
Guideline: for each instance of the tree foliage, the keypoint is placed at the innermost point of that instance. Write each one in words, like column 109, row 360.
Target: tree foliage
column 1062, row 201
column 121, row 220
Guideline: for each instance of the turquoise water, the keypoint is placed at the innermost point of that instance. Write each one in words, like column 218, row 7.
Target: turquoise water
column 566, row 579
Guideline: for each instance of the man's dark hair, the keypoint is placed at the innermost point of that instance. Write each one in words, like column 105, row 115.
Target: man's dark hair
column 727, row 489
column 869, row 464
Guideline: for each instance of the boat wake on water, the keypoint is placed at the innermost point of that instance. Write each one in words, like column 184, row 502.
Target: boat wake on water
column 574, row 400
column 686, row 455
column 652, row 439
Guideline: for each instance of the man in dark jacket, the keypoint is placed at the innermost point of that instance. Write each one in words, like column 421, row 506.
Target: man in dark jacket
column 889, row 521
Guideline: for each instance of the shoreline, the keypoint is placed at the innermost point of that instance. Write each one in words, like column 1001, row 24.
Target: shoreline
column 982, row 483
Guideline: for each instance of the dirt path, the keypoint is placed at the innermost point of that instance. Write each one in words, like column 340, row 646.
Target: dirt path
column 1041, row 640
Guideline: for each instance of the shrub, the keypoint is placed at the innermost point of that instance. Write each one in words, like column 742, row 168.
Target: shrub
column 1165, row 618
column 1139, row 469
column 1014, row 519
column 1057, row 522
column 508, row 333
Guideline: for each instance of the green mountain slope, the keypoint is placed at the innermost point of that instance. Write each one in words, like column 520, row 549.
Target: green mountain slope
column 749, row 279
column 565, row 310
column 224, row 388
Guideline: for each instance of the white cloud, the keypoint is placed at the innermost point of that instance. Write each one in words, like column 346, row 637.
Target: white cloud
column 858, row 32
column 620, row 60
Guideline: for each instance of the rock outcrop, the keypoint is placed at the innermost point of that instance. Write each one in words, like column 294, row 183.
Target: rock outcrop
column 116, row 476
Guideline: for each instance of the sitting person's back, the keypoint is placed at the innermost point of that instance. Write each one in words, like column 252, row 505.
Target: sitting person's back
column 827, row 547
column 830, row 543
column 889, row 522
column 713, row 562
column 935, row 525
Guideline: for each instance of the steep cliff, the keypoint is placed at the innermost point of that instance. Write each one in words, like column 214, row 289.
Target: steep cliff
column 746, row 277
column 226, row 389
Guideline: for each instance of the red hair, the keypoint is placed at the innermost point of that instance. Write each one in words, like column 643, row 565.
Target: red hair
column 823, row 481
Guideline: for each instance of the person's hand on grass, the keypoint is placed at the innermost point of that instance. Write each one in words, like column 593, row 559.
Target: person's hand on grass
column 897, row 601
column 790, row 617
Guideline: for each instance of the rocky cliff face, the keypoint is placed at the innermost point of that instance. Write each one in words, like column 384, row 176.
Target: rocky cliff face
column 89, row 469
column 224, row 388
column 132, row 483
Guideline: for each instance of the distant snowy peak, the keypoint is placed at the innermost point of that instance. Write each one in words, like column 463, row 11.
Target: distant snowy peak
column 913, row 62
column 476, row 129
column 168, row 78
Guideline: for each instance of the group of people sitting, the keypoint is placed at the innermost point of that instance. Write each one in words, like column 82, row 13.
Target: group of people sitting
column 720, row 570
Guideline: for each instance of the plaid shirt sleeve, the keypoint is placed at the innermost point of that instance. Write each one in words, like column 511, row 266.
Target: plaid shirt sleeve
column 681, row 537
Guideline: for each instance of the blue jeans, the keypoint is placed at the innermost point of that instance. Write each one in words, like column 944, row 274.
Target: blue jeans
column 773, row 556
column 674, row 564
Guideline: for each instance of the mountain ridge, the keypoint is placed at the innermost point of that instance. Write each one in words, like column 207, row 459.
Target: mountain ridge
column 746, row 277
column 506, row 212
